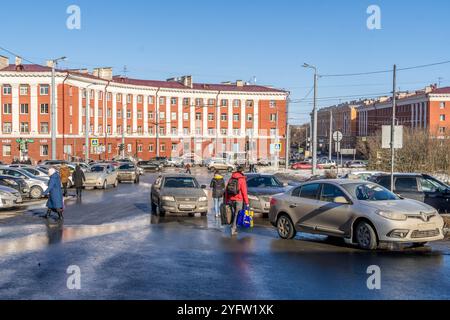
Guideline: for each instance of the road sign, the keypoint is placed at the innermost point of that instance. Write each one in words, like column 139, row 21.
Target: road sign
column 337, row 147
column 337, row 136
column 386, row 137
column 94, row 142
column 277, row 146
column 348, row 152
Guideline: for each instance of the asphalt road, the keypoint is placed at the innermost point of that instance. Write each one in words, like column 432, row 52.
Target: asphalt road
column 124, row 252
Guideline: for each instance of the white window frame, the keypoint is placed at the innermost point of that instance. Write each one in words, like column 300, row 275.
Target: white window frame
column 44, row 89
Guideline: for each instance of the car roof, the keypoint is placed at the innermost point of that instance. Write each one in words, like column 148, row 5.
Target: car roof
column 396, row 174
column 174, row 175
column 337, row 181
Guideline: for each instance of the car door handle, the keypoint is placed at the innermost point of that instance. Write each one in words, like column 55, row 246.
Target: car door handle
column 293, row 206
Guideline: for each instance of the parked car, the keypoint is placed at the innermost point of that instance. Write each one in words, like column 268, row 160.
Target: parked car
column 304, row 165
column 420, row 187
column 192, row 159
column 84, row 167
column 31, row 169
column 261, row 188
column 101, row 176
column 161, row 161
column 53, row 162
column 263, row 162
column 327, row 164
column 149, row 165
column 16, row 183
column 361, row 212
column 9, row 197
column 174, row 162
column 178, row 194
column 221, row 165
column 355, row 164
column 128, row 172
column 361, row 175
column 36, row 185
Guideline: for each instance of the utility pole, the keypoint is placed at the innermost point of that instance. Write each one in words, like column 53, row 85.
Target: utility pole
column 277, row 141
column 394, row 94
column 330, row 137
column 87, row 125
column 123, row 143
column 288, row 135
column 53, row 107
column 314, row 120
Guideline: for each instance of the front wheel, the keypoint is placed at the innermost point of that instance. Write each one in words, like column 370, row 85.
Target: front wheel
column 285, row 227
column 105, row 185
column 36, row 192
column 116, row 183
column 366, row 236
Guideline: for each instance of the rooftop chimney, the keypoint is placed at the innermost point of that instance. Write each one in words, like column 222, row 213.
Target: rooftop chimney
column 18, row 61
column 187, row 81
column 239, row 83
column 50, row 63
column 104, row 73
column 4, row 62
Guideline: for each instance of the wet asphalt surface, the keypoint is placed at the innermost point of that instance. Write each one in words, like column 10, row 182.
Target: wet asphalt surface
column 125, row 252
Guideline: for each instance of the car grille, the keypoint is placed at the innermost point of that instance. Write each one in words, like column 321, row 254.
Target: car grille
column 186, row 199
column 425, row 234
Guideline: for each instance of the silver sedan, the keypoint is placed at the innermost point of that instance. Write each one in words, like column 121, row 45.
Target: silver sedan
column 360, row 212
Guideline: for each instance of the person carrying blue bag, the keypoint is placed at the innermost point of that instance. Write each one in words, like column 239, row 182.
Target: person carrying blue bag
column 236, row 195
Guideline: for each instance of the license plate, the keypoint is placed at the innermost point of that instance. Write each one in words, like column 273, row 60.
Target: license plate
column 186, row 206
column 427, row 226
column 267, row 205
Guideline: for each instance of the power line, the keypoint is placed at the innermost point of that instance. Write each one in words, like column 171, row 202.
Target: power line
column 384, row 71
column 16, row 55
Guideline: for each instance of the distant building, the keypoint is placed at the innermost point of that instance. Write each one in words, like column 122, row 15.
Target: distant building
column 427, row 109
column 165, row 118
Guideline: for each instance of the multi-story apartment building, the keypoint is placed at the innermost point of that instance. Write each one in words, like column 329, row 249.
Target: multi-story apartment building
column 427, row 109
column 152, row 118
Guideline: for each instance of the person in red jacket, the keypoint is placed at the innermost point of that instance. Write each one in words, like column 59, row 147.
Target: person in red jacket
column 236, row 195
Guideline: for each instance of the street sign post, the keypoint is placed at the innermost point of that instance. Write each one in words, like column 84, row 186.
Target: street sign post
column 337, row 136
column 94, row 142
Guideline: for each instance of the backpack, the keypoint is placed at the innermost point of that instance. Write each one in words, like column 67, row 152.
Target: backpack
column 233, row 187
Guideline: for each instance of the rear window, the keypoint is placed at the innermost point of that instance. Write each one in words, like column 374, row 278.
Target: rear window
column 406, row 184
column 126, row 166
column 310, row 191
column 97, row 169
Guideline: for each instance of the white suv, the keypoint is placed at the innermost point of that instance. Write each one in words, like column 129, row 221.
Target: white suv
column 221, row 164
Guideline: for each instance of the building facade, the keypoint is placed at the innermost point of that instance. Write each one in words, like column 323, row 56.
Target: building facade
column 427, row 109
column 151, row 118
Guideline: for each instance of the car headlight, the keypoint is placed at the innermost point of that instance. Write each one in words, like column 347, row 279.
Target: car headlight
column 201, row 199
column 168, row 198
column 255, row 198
column 392, row 215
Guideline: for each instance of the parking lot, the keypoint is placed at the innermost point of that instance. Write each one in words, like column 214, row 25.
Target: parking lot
column 125, row 252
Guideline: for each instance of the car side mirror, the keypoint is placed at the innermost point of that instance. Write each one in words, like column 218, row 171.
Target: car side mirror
column 203, row 186
column 340, row 200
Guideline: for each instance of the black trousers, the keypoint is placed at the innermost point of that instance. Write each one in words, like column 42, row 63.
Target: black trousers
column 64, row 189
column 79, row 191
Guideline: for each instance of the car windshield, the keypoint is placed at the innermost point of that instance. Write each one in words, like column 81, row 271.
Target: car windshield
column 98, row 169
column 126, row 166
column 261, row 182
column 369, row 192
column 180, row 183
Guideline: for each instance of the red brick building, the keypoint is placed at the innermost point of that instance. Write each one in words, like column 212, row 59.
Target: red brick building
column 427, row 109
column 165, row 118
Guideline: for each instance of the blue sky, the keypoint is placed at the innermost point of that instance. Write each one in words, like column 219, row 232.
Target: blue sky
column 222, row 40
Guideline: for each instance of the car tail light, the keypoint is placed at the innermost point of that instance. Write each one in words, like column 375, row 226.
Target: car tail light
column 273, row 202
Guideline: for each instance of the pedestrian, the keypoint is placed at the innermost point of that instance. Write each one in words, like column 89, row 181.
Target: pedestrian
column 188, row 168
column 55, row 198
column 64, row 172
column 218, row 190
column 78, row 180
column 236, row 195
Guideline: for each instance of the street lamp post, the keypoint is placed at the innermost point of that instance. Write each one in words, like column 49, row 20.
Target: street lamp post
column 53, row 107
column 314, row 122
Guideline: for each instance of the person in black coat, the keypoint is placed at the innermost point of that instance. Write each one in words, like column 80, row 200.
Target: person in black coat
column 218, row 190
column 78, row 180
